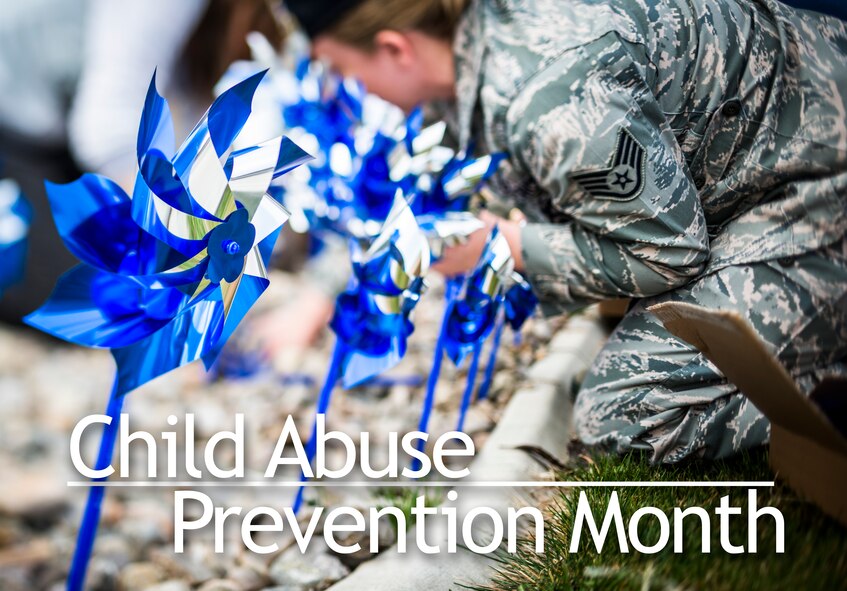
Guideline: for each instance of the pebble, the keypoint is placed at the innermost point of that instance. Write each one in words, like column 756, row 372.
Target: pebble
column 477, row 420
column 313, row 571
column 116, row 549
column 172, row 585
column 542, row 330
column 220, row 585
column 10, row 532
column 142, row 533
column 102, row 574
column 140, row 576
column 386, row 536
column 36, row 496
column 248, row 578
column 503, row 383
column 189, row 565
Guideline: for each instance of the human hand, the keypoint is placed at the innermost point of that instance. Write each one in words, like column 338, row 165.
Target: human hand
column 462, row 258
column 293, row 326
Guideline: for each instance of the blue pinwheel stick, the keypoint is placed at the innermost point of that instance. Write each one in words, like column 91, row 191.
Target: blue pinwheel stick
column 452, row 289
column 485, row 386
column 519, row 304
column 166, row 276
column 333, row 375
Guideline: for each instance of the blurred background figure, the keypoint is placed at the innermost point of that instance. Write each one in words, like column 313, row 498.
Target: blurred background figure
column 74, row 74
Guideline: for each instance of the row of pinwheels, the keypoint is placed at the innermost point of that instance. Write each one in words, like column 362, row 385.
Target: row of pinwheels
column 366, row 155
column 398, row 194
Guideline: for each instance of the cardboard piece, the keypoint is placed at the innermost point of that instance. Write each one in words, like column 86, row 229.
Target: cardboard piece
column 615, row 309
column 807, row 450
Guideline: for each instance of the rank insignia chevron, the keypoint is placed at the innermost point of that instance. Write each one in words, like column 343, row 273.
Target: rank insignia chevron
column 623, row 179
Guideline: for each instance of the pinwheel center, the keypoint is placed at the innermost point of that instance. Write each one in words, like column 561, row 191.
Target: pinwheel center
column 231, row 247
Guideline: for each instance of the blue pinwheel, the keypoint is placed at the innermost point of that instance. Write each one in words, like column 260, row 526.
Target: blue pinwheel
column 372, row 317
column 324, row 115
column 167, row 275
column 328, row 106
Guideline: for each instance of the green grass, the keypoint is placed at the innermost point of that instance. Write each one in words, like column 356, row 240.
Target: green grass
column 815, row 546
column 405, row 499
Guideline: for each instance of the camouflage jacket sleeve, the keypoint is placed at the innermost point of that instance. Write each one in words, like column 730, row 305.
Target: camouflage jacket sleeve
column 596, row 142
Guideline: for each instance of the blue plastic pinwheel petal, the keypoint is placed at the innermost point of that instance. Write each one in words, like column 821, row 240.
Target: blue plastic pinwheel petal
column 414, row 124
column 230, row 111
column 91, row 216
column 159, row 175
column 290, row 157
column 156, row 131
column 249, row 290
column 103, row 310
column 520, row 303
column 146, row 216
column 184, row 339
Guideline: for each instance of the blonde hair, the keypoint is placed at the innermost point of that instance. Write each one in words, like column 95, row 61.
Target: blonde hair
column 437, row 18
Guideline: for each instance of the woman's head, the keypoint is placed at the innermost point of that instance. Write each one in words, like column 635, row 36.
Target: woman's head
column 400, row 49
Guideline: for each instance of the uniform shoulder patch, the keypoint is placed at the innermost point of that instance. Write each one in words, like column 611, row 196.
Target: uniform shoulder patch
column 623, row 179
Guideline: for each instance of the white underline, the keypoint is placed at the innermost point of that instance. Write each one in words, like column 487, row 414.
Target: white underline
column 427, row 484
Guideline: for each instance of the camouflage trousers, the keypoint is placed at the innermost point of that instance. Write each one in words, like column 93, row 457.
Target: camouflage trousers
column 649, row 390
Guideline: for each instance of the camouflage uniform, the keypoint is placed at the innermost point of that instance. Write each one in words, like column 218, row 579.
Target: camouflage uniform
column 691, row 150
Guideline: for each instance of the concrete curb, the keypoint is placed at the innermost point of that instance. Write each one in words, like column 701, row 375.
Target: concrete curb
column 537, row 415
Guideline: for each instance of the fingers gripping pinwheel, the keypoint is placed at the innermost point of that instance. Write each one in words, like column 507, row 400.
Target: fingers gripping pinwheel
column 167, row 275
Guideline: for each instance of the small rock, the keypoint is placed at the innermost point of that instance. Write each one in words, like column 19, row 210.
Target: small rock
column 153, row 511
column 477, row 420
column 37, row 496
column 116, row 550
column 220, row 585
column 446, row 394
column 142, row 533
column 140, row 576
column 112, row 512
column 45, row 574
column 172, row 585
column 541, row 330
column 503, row 383
column 400, row 397
column 15, row 578
column 386, row 536
column 188, row 565
column 250, row 579
column 313, row 571
column 10, row 532
column 102, row 575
